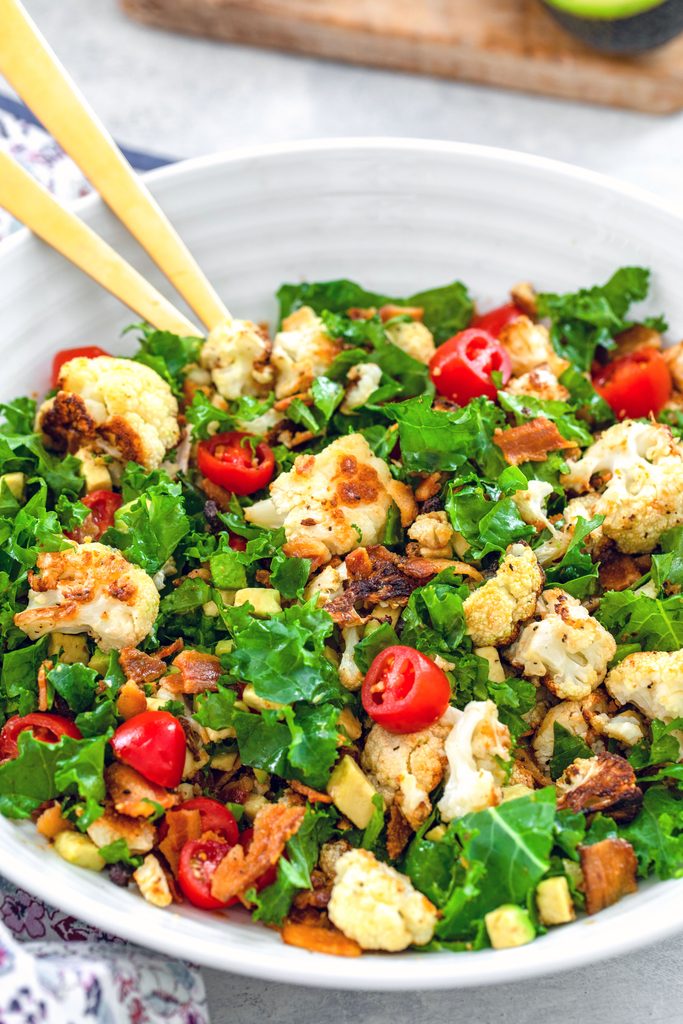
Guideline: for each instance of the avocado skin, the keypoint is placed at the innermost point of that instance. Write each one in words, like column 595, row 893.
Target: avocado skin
column 635, row 34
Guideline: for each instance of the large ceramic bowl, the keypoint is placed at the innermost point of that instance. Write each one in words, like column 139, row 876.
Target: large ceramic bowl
column 399, row 216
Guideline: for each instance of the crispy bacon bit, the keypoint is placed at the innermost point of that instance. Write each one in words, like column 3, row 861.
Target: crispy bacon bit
column 609, row 872
column 604, row 783
column 428, row 488
column 376, row 575
column 51, row 823
column 399, row 833
column 133, row 795
column 318, row 938
column 131, row 701
column 140, row 667
column 174, row 648
column 312, row 795
column 45, row 667
column 197, row 672
column 531, row 442
column 617, row 571
column 314, row 550
column 216, row 493
column 274, row 825
column 183, row 827
column 390, row 310
column 302, row 396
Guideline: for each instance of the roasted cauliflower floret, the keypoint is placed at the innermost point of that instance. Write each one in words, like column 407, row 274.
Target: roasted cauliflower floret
column 376, row 906
column 302, row 351
column 115, row 406
column 406, row 768
column 236, row 353
column 539, row 383
column 652, row 680
column 414, row 338
column 568, row 714
column 475, row 747
column 90, row 588
column 493, row 612
column 643, row 495
column 528, row 345
column 363, row 381
column 434, row 535
column 350, row 675
column 565, row 647
column 337, row 500
column 605, row 783
column 152, row 882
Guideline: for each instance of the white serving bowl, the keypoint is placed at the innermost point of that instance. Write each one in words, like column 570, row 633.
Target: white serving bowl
column 398, row 216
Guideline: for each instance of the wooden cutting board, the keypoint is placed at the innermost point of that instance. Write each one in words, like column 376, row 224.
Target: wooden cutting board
column 512, row 43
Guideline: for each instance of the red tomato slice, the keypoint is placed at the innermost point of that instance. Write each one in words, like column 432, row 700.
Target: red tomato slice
column 154, row 744
column 88, row 352
column 232, row 461
column 102, row 505
column 45, row 727
column 496, row 319
column 198, row 861
column 215, row 817
column 461, row 368
column 404, row 691
column 636, row 384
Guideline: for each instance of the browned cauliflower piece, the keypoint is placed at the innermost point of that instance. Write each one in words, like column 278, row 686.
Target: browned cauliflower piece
column 495, row 611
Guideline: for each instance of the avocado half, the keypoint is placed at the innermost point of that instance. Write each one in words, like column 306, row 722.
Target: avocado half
column 620, row 26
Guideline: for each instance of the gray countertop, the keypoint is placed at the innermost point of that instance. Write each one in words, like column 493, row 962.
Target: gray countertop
column 184, row 97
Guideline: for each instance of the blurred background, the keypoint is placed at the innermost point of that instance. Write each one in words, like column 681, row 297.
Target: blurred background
column 180, row 96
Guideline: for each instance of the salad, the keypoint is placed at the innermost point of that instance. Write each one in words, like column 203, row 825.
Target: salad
column 372, row 626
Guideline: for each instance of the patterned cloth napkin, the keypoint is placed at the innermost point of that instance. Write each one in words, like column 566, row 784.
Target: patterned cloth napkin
column 55, row 969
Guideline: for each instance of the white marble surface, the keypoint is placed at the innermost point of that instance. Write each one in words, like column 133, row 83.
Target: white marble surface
column 185, row 97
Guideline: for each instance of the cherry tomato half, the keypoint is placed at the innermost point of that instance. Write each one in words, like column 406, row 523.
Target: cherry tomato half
column 461, row 368
column 45, row 727
column 102, row 505
column 214, row 817
column 153, row 743
column 496, row 319
column 198, row 861
column 636, row 384
column 236, row 542
column 404, row 691
column 233, row 461
column 88, row 351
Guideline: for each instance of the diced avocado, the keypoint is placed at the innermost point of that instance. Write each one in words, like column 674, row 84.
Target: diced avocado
column 573, row 872
column 210, row 609
column 352, row 792
column 554, row 901
column 68, row 648
column 263, row 600
column 224, row 647
column 256, row 703
column 436, row 834
column 516, row 791
column 496, row 670
column 96, row 475
column 225, row 761
column 509, row 926
column 253, row 804
column 79, row 850
column 99, row 662
column 620, row 26
column 15, row 484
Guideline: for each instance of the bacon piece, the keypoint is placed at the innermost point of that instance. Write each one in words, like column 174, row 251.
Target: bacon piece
column 318, row 938
column 133, row 795
column 131, row 701
column 312, row 795
column 140, row 667
column 609, row 872
column 531, row 442
column 183, row 827
column 388, row 311
column 399, row 833
column 46, row 666
column 174, row 648
column 274, row 825
column 197, row 672
column 617, row 572
column 376, row 575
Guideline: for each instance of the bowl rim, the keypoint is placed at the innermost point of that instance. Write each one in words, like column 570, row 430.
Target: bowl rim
column 635, row 926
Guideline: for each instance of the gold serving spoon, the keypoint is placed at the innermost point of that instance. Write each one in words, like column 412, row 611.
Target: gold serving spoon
column 31, row 67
